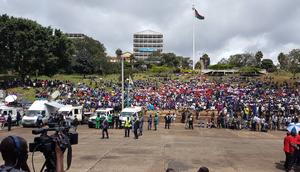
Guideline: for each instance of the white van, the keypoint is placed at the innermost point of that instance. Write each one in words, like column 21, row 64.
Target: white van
column 74, row 110
column 103, row 112
column 11, row 110
column 42, row 107
column 130, row 112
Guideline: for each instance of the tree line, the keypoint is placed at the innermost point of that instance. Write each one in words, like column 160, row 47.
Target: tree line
column 289, row 62
column 28, row 48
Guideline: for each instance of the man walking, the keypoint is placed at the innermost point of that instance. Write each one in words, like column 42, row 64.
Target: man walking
column 9, row 120
column 127, row 127
column 191, row 121
column 141, row 126
column 18, row 118
column 105, row 126
column 136, row 126
column 75, row 122
column 117, row 121
column 156, row 120
column 150, row 122
column 168, row 120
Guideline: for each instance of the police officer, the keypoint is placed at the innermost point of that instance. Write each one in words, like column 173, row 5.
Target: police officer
column 127, row 127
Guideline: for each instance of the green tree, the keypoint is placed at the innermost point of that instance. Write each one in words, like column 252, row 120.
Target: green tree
column 206, row 61
column 198, row 65
column 268, row 65
column 185, row 63
column 132, row 60
column 283, row 61
column 258, row 56
column 169, row 59
column 89, row 57
column 294, row 66
column 223, row 61
column 240, row 60
column 27, row 47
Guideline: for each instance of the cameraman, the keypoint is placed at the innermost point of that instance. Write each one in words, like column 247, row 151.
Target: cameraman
column 14, row 152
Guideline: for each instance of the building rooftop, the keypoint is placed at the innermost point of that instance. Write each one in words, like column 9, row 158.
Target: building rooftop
column 148, row 32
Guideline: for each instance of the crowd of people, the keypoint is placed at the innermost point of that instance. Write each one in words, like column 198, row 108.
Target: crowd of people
column 256, row 104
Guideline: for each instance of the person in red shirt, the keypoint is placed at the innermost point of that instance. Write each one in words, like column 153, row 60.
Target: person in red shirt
column 286, row 148
column 290, row 146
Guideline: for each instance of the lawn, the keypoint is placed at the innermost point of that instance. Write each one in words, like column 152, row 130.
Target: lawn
column 28, row 93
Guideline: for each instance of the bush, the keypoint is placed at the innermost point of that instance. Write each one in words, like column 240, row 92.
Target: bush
column 249, row 69
column 186, row 71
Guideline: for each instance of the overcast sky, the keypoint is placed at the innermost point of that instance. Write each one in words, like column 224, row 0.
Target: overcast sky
column 230, row 26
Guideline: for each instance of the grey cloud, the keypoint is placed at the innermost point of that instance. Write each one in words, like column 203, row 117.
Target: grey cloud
column 231, row 26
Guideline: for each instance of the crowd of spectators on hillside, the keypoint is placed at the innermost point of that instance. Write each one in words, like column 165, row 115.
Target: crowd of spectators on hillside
column 236, row 103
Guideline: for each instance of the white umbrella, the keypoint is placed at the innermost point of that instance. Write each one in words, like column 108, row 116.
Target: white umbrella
column 292, row 127
column 10, row 98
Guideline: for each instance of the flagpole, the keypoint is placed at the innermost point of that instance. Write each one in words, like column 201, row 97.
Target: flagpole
column 193, row 35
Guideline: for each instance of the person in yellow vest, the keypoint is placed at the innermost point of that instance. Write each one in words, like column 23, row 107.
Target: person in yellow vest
column 127, row 127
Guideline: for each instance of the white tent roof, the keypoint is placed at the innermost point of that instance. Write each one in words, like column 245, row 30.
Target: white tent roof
column 38, row 105
column 54, row 104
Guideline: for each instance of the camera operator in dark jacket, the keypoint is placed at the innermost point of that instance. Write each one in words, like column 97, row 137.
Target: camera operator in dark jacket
column 14, row 151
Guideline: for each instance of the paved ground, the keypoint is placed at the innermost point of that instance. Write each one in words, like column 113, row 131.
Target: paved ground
column 184, row 150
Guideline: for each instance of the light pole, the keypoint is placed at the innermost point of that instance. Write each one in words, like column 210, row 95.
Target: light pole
column 128, row 87
column 119, row 55
column 122, row 83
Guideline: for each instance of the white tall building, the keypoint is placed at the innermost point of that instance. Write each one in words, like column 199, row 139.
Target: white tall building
column 146, row 42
